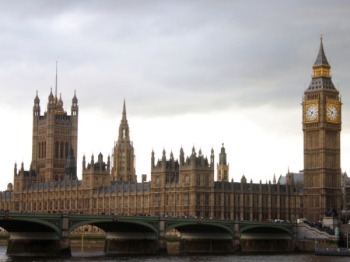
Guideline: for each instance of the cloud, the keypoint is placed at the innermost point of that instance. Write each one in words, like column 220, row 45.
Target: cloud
column 172, row 60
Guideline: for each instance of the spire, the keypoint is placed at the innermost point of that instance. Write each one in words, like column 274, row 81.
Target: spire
column 75, row 99
column 56, row 81
column 222, row 156
column 36, row 99
column 124, row 127
column 51, row 95
column 321, row 77
column 124, row 110
column 321, row 57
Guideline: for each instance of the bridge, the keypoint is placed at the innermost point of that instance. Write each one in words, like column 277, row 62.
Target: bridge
column 47, row 234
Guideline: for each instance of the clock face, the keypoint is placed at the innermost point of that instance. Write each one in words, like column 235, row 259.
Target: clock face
column 332, row 112
column 311, row 112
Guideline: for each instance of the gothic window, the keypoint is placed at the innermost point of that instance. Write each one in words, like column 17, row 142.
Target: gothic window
column 185, row 200
column 219, row 175
column 56, row 150
column 187, row 179
column 61, row 150
column 206, row 200
column 198, row 199
column 126, row 202
column 207, row 180
column 225, row 175
column 39, row 145
column 157, row 201
column 66, row 150
column 198, row 180
column 146, row 201
column 157, row 181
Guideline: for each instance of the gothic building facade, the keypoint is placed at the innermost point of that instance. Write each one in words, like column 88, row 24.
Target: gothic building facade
column 186, row 186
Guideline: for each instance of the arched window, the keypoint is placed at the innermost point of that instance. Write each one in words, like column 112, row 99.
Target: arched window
column 44, row 153
column 206, row 180
column 39, row 150
column 61, row 150
column 56, row 150
column 66, row 150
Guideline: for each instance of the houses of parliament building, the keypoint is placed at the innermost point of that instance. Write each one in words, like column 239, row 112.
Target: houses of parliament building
column 187, row 186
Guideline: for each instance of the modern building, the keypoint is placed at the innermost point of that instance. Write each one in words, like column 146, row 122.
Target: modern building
column 187, row 186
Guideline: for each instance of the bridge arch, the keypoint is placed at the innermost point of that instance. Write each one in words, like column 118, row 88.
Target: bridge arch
column 106, row 225
column 200, row 226
column 275, row 229
column 14, row 224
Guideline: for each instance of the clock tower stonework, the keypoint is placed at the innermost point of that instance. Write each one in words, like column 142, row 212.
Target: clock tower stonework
column 321, row 126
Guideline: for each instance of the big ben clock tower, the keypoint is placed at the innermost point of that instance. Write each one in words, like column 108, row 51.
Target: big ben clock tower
column 321, row 126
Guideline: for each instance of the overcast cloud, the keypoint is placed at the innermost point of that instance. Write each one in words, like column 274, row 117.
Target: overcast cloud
column 192, row 72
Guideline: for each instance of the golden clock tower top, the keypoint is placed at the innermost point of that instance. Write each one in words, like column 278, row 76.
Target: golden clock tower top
column 321, row 77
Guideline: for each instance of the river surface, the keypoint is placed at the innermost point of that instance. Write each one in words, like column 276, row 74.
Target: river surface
column 95, row 254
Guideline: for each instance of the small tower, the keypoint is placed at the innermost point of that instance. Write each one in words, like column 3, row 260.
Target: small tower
column 123, row 153
column 182, row 157
column 222, row 167
column 54, row 133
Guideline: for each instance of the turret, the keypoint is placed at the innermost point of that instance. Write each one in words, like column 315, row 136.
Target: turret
column 182, row 157
column 108, row 164
column 15, row 170
column 84, row 162
column 212, row 158
column 92, row 161
column 100, row 160
column 222, row 167
column 74, row 108
column 36, row 107
column 51, row 103
column 163, row 160
column 152, row 159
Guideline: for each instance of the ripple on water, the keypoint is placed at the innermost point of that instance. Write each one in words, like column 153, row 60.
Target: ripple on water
column 99, row 256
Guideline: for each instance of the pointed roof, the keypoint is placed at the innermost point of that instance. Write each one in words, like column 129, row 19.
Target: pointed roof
column 321, row 57
column 124, row 127
column 124, row 111
column 321, row 78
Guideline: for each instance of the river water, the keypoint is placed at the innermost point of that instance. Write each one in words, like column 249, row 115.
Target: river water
column 95, row 254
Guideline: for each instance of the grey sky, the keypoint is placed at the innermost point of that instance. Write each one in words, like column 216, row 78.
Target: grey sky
column 169, row 59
